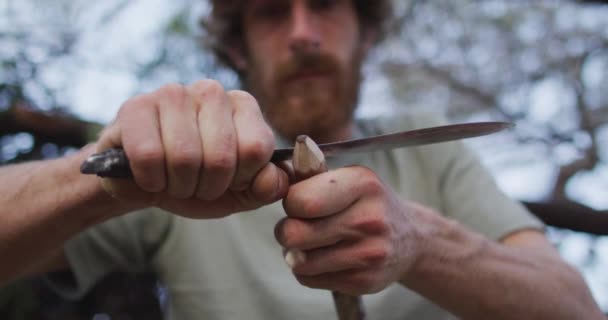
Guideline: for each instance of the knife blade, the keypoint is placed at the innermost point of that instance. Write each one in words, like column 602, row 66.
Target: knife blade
column 113, row 163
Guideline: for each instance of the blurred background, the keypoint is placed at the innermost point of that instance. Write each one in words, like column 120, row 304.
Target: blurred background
column 67, row 65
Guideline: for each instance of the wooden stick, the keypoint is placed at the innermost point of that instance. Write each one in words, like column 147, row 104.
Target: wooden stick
column 308, row 160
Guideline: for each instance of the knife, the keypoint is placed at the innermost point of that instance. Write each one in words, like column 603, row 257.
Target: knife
column 113, row 163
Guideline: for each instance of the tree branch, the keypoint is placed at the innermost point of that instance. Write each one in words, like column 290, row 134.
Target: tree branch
column 590, row 158
column 570, row 215
column 47, row 127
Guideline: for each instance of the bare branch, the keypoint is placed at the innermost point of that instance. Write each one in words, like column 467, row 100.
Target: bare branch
column 590, row 158
column 47, row 127
column 571, row 215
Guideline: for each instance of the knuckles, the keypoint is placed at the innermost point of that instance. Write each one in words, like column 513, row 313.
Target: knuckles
column 258, row 150
column 372, row 222
column 220, row 160
column 375, row 256
column 137, row 104
column 301, row 205
column 300, row 202
column 173, row 93
column 369, row 181
column 243, row 98
column 145, row 154
column 184, row 157
column 206, row 88
column 223, row 158
column 150, row 159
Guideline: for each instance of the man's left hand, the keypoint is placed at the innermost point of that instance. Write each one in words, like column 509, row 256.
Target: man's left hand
column 356, row 235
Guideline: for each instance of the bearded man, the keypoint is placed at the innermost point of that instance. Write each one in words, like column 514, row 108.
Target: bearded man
column 422, row 233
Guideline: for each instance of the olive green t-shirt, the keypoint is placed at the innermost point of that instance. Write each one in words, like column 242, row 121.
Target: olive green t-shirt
column 233, row 268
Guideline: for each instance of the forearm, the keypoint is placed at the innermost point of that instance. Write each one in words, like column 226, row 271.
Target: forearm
column 44, row 203
column 474, row 277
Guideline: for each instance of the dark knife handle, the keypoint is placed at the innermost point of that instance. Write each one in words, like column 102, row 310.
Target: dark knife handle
column 114, row 163
column 111, row 163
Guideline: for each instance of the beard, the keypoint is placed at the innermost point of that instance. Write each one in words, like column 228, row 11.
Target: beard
column 312, row 94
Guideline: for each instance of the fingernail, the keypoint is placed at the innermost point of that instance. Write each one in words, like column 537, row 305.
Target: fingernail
column 294, row 257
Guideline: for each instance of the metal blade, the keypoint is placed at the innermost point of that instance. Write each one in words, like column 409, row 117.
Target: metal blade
column 113, row 163
column 403, row 139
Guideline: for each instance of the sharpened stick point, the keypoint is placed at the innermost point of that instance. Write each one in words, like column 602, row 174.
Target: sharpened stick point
column 308, row 159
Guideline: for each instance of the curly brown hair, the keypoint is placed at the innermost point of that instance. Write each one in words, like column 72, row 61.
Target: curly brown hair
column 224, row 25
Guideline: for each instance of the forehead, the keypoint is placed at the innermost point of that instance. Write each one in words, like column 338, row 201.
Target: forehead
column 275, row 7
column 252, row 3
column 257, row 2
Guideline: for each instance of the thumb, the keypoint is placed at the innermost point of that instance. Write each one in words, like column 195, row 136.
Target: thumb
column 287, row 166
column 270, row 184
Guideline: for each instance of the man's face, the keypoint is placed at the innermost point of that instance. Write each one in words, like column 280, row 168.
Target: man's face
column 303, row 61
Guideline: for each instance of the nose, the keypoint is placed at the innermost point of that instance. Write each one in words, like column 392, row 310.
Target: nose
column 304, row 37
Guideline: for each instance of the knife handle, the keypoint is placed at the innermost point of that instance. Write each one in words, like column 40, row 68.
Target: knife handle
column 110, row 163
column 308, row 160
column 114, row 163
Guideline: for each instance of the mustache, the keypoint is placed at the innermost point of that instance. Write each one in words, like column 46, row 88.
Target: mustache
column 307, row 63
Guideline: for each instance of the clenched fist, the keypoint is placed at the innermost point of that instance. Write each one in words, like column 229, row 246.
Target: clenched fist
column 197, row 150
column 347, row 231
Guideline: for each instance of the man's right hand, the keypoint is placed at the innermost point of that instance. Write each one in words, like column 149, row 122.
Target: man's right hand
column 197, row 151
